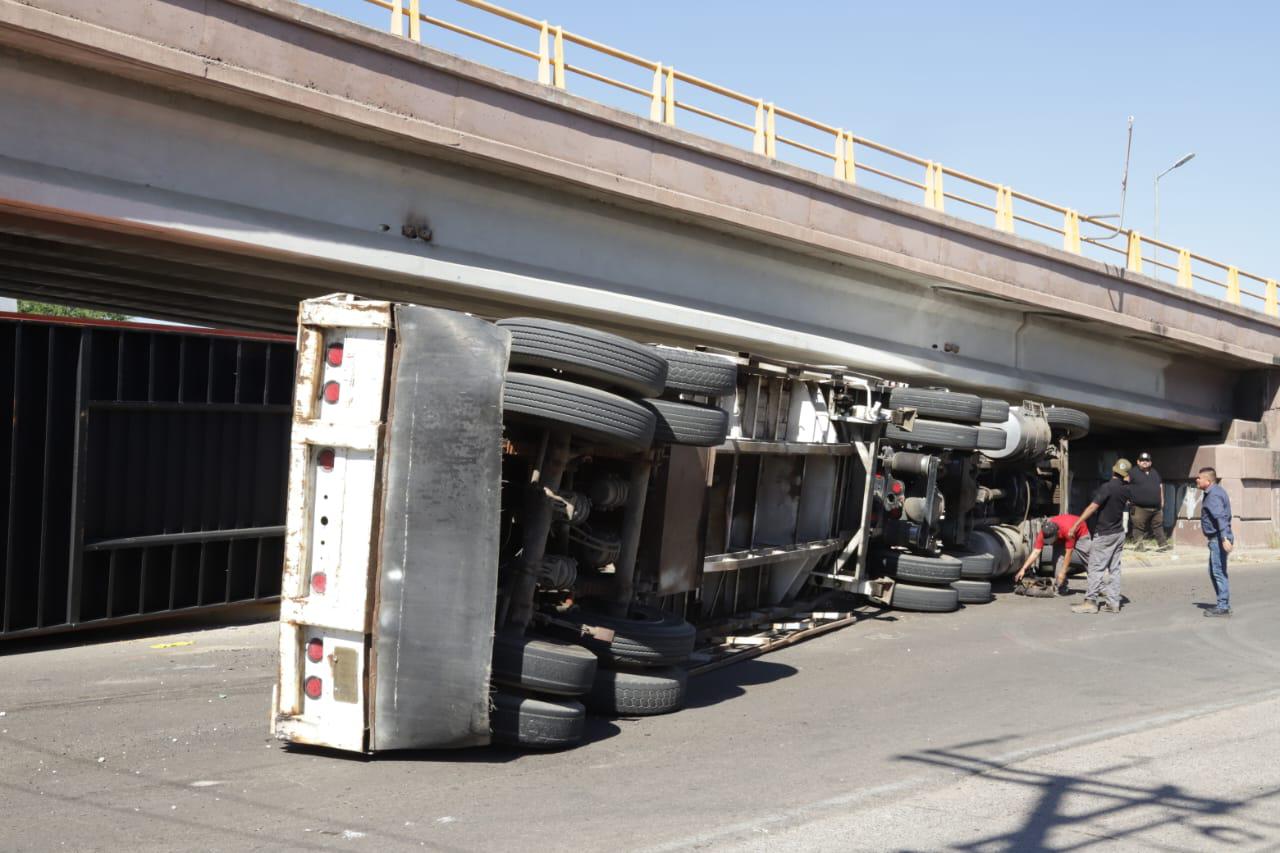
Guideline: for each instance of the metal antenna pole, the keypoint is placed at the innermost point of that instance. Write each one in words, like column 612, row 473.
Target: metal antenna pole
column 1124, row 180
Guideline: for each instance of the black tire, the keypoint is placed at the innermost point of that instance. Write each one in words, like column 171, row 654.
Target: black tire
column 536, row 723
column 991, row 438
column 973, row 592
column 983, row 541
column 542, row 665
column 685, row 423
column 587, row 412
column 943, row 405
column 935, row 434
column 647, row 636
column 638, row 694
column 917, row 568
column 699, row 372
column 598, row 357
column 979, row 567
column 925, row 599
column 994, row 411
column 1073, row 422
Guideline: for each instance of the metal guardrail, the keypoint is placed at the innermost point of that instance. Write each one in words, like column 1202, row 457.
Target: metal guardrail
column 773, row 129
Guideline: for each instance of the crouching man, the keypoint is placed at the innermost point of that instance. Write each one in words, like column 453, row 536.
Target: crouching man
column 1067, row 551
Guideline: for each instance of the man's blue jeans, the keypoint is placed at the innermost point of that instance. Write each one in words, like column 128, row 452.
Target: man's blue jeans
column 1218, row 572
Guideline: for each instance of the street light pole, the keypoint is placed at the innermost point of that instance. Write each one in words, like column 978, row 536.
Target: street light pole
column 1155, row 249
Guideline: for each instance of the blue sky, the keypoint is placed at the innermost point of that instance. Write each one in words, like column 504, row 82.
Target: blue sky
column 1033, row 95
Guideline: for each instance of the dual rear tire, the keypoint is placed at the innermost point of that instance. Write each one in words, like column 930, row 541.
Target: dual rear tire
column 938, row 584
column 592, row 374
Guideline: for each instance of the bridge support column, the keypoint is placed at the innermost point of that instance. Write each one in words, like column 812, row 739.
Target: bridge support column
column 1247, row 459
column 1246, row 456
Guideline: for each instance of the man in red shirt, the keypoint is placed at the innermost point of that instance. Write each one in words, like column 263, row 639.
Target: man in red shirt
column 1055, row 533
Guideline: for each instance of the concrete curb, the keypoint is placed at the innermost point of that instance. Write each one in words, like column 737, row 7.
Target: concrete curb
column 1182, row 555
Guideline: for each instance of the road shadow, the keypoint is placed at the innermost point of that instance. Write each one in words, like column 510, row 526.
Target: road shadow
column 596, row 729
column 729, row 678
column 731, row 682
column 1067, row 801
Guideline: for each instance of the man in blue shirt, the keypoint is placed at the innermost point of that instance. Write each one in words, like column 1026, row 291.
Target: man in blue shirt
column 1215, row 523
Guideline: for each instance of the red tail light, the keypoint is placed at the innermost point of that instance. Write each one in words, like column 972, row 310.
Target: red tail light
column 313, row 687
column 315, row 650
column 334, row 355
column 897, row 487
column 319, row 581
column 331, row 392
column 325, row 459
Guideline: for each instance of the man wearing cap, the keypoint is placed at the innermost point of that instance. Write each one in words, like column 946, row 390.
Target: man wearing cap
column 1066, row 549
column 1147, row 514
column 1109, row 504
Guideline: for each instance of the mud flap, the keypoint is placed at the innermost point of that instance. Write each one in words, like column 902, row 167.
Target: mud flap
column 438, row 549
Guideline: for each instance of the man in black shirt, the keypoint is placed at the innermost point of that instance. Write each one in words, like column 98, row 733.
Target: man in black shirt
column 1109, row 503
column 1146, row 517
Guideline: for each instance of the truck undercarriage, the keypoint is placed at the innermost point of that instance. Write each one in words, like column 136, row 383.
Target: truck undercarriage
column 494, row 527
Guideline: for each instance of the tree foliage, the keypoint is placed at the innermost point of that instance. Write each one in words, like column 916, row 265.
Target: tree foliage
column 27, row 306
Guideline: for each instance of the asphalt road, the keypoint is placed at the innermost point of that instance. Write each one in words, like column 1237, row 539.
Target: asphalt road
column 1011, row 726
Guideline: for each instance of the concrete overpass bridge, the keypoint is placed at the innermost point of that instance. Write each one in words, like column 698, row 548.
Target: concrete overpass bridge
column 216, row 161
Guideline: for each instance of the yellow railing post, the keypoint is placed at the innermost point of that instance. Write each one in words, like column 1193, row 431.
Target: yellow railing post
column 558, row 58
column 1071, row 232
column 655, row 105
column 670, row 116
column 850, row 168
column 1133, row 261
column 1004, row 209
column 770, row 131
column 1184, row 269
column 1233, row 285
column 845, row 169
column 765, row 140
column 415, row 20
column 397, row 18
column 933, row 193
column 544, row 54
column 1272, row 309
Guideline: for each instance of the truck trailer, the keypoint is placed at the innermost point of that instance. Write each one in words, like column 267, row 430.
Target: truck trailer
column 494, row 527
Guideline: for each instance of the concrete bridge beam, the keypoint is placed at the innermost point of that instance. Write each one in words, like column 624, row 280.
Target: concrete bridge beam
column 255, row 133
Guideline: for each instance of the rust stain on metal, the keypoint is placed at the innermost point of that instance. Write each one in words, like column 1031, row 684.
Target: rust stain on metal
column 346, row 675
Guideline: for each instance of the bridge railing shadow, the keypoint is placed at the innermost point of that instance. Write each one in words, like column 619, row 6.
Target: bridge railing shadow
column 1081, row 801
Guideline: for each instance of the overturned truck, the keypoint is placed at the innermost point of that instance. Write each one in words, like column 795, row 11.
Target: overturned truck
column 494, row 527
